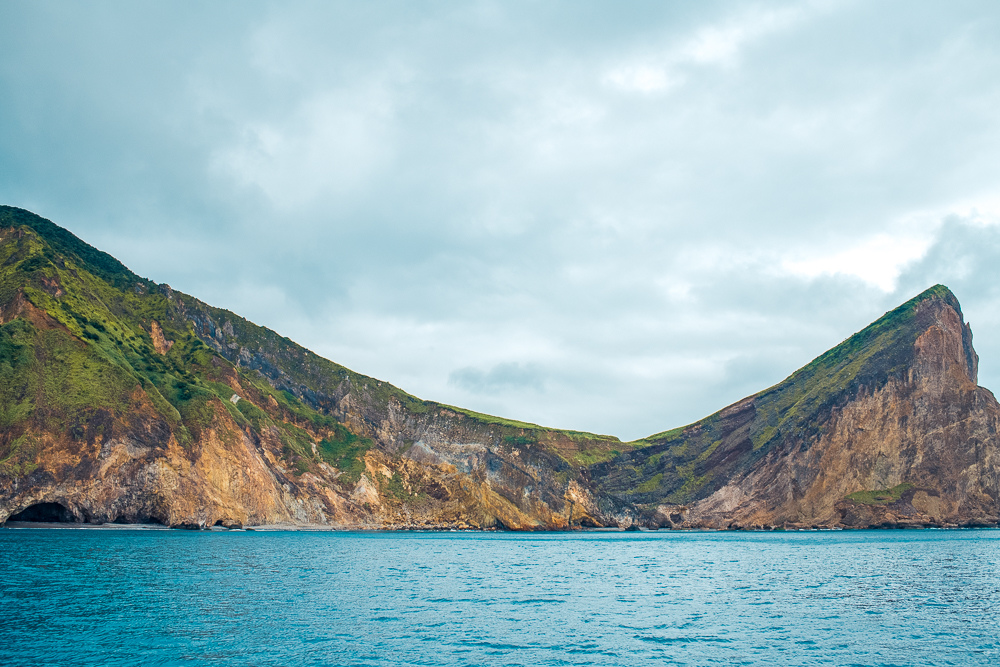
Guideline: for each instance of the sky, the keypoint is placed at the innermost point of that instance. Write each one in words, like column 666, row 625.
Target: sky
column 611, row 217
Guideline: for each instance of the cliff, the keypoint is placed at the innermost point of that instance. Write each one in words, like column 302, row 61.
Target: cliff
column 888, row 428
column 124, row 400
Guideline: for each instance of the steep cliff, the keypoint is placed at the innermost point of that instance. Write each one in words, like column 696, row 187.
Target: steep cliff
column 888, row 428
column 124, row 400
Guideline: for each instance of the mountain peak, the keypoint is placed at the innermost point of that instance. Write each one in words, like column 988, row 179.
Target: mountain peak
column 921, row 350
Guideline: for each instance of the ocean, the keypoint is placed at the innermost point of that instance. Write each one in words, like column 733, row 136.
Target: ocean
column 170, row 597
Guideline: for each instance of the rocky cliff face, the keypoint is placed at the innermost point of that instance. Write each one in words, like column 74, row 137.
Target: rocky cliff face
column 889, row 428
column 124, row 400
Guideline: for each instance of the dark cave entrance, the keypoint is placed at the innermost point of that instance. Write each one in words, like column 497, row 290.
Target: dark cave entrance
column 44, row 513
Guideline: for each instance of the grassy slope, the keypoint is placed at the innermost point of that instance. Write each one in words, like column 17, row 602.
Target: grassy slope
column 688, row 463
column 53, row 379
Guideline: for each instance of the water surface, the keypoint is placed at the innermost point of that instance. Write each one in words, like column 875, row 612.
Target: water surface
column 87, row 597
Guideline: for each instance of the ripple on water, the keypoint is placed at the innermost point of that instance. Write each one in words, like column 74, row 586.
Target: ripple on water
column 255, row 598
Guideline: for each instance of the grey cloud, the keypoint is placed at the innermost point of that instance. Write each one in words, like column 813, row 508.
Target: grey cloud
column 412, row 188
column 504, row 377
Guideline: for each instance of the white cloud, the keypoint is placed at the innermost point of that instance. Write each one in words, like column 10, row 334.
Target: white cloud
column 881, row 258
column 981, row 211
column 878, row 260
column 721, row 44
column 715, row 44
column 331, row 144
column 642, row 78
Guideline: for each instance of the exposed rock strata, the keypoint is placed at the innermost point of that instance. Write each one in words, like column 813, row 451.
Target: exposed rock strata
column 126, row 401
column 923, row 424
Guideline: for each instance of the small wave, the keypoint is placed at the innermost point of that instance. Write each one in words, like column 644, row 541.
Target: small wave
column 712, row 639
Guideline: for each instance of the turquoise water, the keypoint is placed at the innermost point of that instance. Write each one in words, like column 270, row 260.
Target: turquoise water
column 88, row 597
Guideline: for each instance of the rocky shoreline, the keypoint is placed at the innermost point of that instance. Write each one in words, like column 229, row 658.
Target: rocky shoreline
column 321, row 528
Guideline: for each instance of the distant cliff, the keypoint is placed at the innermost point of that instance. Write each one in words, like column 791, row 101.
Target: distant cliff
column 124, row 400
column 887, row 428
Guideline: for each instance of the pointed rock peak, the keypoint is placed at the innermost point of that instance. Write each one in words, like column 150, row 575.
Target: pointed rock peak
column 938, row 295
column 945, row 345
column 925, row 336
column 935, row 316
column 891, row 337
column 924, row 339
column 938, row 291
column 921, row 350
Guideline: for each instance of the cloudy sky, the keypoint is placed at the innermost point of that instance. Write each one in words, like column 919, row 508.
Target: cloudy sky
column 601, row 216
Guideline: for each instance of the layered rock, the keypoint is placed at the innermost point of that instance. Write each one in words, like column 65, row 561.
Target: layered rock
column 890, row 428
column 123, row 400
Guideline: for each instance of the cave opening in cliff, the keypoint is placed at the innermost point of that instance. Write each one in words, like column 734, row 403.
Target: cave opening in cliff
column 44, row 513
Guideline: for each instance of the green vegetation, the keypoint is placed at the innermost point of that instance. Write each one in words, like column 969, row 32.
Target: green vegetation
column 345, row 452
column 881, row 496
column 17, row 383
column 101, row 350
column 665, row 436
column 703, row 456
column 19, row 458
column 691, row 483
column 67, row 377
column 651, row 484
column 64, row 244
column 394, row 487
column 592, row 456
column 59, row 378
column 766, row 435
column 257, row 417
column 490, row 419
